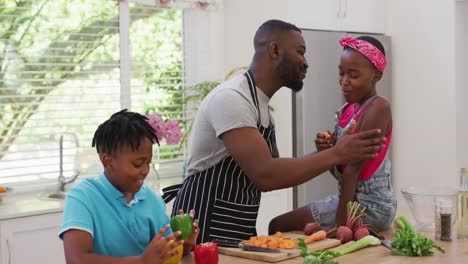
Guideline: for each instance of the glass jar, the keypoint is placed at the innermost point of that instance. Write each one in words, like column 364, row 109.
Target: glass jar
column 444, row 219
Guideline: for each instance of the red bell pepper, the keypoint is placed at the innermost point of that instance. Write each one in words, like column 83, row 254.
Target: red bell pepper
column 206, row 253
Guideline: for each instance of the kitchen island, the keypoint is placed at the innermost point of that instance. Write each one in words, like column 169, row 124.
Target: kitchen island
column 456, row 252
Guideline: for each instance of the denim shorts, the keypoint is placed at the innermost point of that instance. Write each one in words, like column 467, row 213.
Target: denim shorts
column 375, row 194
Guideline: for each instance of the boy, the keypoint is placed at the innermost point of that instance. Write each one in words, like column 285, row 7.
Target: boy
column 115, row 218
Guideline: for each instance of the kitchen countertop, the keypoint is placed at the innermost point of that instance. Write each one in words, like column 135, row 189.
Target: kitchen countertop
column 35, row 203
column 28, row 204
column 455, row 252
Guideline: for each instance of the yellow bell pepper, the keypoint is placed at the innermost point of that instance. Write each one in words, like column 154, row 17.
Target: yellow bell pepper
column 176, row 258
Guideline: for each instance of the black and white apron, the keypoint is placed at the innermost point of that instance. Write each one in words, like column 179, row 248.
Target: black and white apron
column 225, row 201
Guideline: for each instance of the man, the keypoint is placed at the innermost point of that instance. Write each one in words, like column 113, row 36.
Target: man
column 233, row 155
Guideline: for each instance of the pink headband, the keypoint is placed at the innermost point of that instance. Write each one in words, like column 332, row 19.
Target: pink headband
column 370, row 51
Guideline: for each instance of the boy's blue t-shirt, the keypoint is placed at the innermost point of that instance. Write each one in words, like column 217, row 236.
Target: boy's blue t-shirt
column 118, row 229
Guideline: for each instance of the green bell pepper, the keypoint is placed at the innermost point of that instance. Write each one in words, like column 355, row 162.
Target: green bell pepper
column 184, row 224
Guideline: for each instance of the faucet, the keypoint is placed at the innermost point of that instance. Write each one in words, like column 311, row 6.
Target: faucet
column 62, row 180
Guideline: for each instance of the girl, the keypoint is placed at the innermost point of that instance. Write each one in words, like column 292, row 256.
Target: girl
column 362, row 64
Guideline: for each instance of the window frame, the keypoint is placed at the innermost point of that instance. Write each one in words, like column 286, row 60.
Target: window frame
column 167, row 171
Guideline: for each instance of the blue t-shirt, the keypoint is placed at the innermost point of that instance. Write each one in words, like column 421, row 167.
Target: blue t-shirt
column 118, row 229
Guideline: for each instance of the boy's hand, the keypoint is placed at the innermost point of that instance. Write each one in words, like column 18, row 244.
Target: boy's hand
column 191, row 241
column 324, row 141
column 160, row 249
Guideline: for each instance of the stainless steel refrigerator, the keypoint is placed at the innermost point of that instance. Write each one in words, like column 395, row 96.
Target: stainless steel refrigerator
column 314, row 107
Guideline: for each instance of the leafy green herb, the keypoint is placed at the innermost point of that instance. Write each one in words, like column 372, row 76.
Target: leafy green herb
column 303, row 247
column 321, row 257
column 408, row 242
column 310, row 259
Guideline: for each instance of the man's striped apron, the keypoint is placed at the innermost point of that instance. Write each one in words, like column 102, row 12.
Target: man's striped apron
column 225, row 201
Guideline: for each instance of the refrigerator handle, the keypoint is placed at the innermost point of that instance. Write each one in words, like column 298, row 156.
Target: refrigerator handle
column 294, row 143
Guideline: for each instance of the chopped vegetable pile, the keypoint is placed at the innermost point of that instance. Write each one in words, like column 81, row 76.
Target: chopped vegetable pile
column 275, row 241
column 408, row 242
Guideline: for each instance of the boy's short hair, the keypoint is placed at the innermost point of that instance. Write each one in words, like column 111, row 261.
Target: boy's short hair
column 122, row 128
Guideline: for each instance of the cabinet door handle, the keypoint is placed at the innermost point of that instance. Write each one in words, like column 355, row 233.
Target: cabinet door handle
column 339, row 9
column 345, row 8
column 8, row 251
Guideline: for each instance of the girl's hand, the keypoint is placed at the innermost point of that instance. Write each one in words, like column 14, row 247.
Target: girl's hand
column 191, row 241
column 324, row 141
column 160, row 249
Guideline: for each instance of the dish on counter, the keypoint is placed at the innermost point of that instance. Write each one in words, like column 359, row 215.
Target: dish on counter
column 422, row 201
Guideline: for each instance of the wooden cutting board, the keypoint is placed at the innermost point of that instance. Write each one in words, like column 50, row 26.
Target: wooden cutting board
column 277, row 257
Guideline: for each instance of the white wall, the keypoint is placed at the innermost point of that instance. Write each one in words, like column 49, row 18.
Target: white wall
column 241, row 20
column 423, row 104
column 461, row 59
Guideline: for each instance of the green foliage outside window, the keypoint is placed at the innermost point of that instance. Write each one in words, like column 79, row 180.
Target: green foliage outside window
column 47, row 43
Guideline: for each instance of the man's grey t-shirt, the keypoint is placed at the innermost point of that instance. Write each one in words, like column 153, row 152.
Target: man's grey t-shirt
column 228, row 106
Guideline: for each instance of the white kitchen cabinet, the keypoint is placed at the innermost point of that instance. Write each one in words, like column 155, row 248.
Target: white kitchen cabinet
column 314, row 14
column 363, row 16
column 31, row 239
column 339, row 15
column 273, row 204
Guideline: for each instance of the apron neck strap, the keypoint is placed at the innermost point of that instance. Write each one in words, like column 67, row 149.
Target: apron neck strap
column 253, row 91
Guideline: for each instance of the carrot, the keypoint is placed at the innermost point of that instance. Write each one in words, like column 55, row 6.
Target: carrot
column 319, row 235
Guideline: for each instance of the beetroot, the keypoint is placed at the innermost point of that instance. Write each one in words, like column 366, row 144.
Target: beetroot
column 344, row 234
column 311, row 228
column 358, row 224
column 361, row 232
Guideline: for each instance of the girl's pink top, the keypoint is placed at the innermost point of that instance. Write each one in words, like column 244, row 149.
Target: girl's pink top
column 372, row 165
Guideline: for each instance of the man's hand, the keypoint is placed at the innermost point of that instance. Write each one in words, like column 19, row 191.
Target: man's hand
column 358, row 147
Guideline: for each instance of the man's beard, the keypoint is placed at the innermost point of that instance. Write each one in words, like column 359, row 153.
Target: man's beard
column 289, row 73
column 295, row 85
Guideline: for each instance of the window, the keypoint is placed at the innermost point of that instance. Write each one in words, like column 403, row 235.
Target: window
column 156, row 83
column 63, row 69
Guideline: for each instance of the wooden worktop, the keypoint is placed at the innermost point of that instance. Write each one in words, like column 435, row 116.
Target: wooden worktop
column 456, row 252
